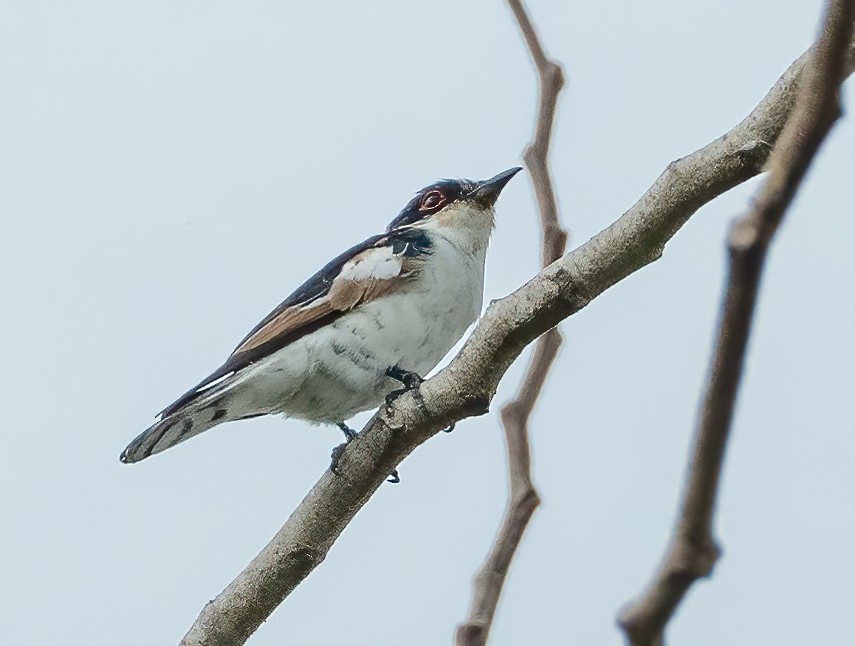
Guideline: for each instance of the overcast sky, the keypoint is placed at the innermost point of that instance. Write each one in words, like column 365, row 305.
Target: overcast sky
column 171, row 170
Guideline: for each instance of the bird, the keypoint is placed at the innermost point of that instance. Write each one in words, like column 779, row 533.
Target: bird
column 381, row 314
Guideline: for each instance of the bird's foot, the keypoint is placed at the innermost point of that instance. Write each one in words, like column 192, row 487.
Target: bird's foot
column 450, row 427
column 349, row 433
column 337, row 452
column 335, row 456
column 411, row 381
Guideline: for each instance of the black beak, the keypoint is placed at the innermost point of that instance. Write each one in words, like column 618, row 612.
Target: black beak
column 488, row 191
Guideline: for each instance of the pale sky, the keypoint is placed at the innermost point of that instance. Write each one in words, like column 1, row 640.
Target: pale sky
column 170, row 171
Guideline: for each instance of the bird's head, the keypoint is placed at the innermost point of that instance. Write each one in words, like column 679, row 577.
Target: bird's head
column 454, row 205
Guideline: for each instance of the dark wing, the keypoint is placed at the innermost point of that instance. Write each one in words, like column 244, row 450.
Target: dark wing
column 377, row 266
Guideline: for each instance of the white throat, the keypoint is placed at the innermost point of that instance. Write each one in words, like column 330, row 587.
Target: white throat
column 465, row 227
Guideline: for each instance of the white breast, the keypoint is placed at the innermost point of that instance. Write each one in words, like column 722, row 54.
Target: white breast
column 340, row 370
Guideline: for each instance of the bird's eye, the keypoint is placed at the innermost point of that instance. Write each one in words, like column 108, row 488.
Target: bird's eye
column 432, row 201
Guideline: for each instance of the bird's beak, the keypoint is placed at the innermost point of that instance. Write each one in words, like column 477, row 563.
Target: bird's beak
column 487, row 192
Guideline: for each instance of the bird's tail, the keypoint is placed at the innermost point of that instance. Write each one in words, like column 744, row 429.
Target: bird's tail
column 180, row 422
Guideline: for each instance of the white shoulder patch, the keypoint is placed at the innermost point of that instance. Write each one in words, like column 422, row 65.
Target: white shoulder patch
column 380, row 264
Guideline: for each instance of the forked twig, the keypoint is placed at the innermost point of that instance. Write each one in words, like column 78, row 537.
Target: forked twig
column 523, row 498
column 693, row 551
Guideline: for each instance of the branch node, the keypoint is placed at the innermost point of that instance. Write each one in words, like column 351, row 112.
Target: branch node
column 754, row 154
column 392, row 418
column 527, row 500
column 552, row 76
column 692, row 560
column 471, row 634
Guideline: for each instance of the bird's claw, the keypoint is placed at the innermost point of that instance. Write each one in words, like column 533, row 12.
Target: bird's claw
column 335, row 456
column 392, row 396
column 450, row 427
column 337, row 452
column 411, row 380
column 349, row 433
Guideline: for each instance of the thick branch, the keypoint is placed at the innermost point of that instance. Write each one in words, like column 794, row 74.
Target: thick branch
column 693, row 552
column 523, row 498
column 466, row 387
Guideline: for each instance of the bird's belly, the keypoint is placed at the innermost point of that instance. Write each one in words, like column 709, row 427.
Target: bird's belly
column 348, row 358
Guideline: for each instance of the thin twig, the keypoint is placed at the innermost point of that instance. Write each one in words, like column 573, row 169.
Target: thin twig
column 523, row 498
column 467, row 385
column 693, row 551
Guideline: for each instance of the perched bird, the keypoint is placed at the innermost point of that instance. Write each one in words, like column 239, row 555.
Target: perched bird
column 383, row 312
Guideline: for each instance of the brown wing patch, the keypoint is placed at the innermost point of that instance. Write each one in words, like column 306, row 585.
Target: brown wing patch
column 346, row 294
column 367, row 276
column 288, row 321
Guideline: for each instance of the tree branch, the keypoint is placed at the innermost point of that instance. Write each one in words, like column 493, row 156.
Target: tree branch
column 466, row 387
column 693, row 551
column 523, row 498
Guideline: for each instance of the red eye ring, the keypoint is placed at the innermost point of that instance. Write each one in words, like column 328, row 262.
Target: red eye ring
column 432, row 201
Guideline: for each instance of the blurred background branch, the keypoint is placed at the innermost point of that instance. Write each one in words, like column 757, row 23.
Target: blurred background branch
column 523, row 498
column 693, row 552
